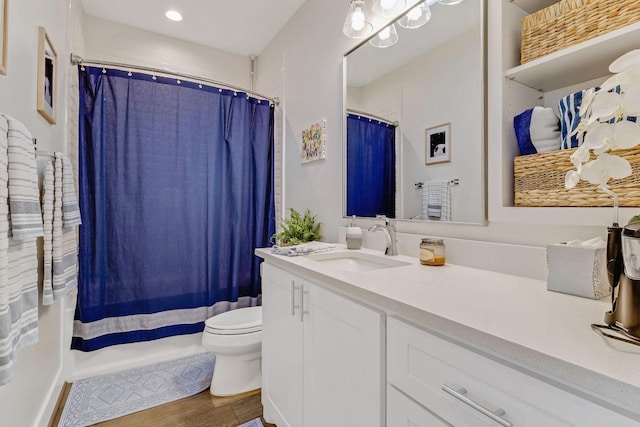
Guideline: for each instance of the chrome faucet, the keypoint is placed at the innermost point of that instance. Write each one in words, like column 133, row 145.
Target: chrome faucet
column 389, row 229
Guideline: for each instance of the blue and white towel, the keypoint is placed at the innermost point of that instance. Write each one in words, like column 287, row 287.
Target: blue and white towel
column 302, row 249
column 60, row 241
column 18, row 256
column 537, row 130
column 569, row 108
column 436, row 200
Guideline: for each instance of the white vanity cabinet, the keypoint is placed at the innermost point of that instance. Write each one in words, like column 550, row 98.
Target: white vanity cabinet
column 322, row 355
column 454, row 385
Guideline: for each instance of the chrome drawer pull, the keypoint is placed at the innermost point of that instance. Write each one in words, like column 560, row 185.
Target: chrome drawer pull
column 460, row 395
column 293, row 298
column 302, row 310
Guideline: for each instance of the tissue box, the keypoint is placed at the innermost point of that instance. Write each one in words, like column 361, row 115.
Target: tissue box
column 577, row 271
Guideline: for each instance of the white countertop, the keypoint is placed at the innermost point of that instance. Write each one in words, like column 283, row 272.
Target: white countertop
column 509, row 318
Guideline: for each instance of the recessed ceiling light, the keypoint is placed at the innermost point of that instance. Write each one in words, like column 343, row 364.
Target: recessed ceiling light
column 173, row 15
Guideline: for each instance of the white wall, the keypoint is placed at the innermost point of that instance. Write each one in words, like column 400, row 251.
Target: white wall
column 433, row 89
column 109, row 41
column 29, row 399
column 303, row 66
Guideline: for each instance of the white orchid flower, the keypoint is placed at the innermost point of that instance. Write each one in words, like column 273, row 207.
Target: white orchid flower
column 580, row 156
column 587, row 99
column 605, row 167
column 603, row 124
column 629, row 60
column 631, row 102
column 603, row 137
column 606, row 106
column 571, row 179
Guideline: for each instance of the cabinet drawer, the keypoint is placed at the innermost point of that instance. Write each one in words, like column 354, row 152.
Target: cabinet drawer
column 423, row 365
column 403, row 411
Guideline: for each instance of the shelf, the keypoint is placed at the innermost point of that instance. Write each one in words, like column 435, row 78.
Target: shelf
column 532, row 6
column 585, row 61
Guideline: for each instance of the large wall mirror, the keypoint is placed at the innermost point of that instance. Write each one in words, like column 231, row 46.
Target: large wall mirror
column 415, row 122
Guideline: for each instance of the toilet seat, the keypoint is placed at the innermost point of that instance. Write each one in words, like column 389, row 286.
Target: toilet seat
column 235, row 322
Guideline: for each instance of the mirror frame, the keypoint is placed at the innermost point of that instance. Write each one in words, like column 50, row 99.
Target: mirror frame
column 484, row 122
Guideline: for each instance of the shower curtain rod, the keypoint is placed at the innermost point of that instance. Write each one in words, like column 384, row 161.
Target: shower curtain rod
column 78, row 60
column 373, row 116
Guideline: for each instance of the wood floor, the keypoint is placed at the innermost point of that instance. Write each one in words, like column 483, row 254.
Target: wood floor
column 196, row 411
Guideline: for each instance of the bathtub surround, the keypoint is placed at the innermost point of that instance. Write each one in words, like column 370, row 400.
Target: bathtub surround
column 176, row 189
column 111, row 396
column 19, row 227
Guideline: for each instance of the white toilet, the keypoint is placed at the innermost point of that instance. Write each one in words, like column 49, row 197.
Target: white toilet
column 235, row 337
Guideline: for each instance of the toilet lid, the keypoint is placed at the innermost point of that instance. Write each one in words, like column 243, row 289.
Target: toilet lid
column 234, row 322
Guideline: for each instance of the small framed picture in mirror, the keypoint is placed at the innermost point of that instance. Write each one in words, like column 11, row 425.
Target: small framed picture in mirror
column 438, row 144
column 47, row 71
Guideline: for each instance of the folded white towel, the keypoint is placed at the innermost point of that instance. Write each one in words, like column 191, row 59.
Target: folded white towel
column 302, row 249
column 18, row 258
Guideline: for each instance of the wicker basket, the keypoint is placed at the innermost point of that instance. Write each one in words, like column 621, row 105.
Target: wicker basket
column 570, row 22
column 539, row 181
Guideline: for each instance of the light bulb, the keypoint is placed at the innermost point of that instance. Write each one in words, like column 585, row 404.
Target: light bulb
column 415, row 13
column 173, row 15
column 357, row 20
column 388, row 4
column 384, row 34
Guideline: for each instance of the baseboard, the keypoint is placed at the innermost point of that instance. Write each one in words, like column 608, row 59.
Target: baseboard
column 53, row 395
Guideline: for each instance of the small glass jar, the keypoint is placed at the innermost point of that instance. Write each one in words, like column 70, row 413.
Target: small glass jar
column 432, row 252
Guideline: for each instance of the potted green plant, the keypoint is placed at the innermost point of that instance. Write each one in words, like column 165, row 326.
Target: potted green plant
column 298, row 229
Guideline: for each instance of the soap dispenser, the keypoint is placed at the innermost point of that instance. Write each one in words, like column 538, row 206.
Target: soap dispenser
column 354, row 235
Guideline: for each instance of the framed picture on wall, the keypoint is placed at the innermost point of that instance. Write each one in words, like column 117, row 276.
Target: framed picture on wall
column 4, row 32
column 313, row 142
column 47, row 71
column 438, row 144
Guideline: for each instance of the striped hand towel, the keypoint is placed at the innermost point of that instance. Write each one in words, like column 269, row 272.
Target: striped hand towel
column 24, row 197
column 70, row 208
column 436, row 200
column 47, row 216
column 60, row 244
column 18, row 265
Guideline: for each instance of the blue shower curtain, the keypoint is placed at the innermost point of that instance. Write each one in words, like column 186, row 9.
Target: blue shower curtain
column 176, row 191
column 371, row 167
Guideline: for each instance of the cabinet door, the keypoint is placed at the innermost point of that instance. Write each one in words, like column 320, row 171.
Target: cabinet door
column 402, row 411
column 281, row 348
column 343, row 382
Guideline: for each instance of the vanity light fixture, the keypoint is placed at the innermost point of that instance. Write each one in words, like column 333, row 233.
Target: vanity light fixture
column 386, row 37
column 450, row 2
column 388, row 8
column 173, row 15
column 416, row 17
column 356, row 25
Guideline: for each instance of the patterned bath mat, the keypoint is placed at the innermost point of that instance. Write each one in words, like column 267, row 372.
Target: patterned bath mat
column 111, row 396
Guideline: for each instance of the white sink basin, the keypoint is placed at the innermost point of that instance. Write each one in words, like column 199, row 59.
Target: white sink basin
column 356, row 261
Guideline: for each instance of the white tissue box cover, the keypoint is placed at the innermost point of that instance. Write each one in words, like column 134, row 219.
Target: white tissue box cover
column 577, row 271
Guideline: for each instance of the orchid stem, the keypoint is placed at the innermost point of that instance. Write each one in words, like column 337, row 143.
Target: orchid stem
column 615, row 203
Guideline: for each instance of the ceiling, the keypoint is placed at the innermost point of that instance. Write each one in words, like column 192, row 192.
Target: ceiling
column 243, row 27
column 368, row 63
